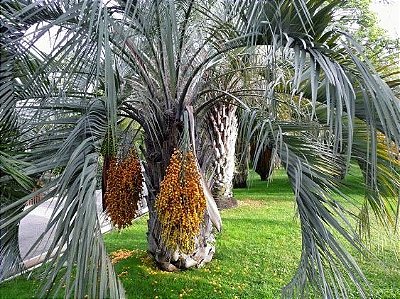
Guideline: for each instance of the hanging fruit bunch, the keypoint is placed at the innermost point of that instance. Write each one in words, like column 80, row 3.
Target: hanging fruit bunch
column 124, row 189
column 181, row 203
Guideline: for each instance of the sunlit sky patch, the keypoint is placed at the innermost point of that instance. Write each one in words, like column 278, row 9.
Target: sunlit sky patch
column 388, row 13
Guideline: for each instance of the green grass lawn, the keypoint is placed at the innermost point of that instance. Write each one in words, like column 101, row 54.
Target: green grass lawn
column 249, row 260
column 257, row 253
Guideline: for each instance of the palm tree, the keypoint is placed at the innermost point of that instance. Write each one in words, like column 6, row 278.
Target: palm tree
column 149, row 61
column 228, row 80
column 223, row 123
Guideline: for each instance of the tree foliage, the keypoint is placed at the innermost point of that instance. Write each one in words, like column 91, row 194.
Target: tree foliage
column 149, row 62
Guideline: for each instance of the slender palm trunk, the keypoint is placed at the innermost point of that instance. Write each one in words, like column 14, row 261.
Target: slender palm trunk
column 224, row 129
column 242, row 153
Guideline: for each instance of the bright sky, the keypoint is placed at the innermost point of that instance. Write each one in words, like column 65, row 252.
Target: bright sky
column 388, row 13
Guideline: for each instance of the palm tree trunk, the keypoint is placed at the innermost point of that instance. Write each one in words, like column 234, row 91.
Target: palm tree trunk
column 264, row 162
column 155, row 167
column 224, row 129
column 242, row 165
column 172, row 261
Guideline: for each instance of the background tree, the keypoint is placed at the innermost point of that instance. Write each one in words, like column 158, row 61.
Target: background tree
column 229, row 84
column 382, row 50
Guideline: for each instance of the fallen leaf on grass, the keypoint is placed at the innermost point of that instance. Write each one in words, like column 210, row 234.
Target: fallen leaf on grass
column 122, row 274
column 120, row 254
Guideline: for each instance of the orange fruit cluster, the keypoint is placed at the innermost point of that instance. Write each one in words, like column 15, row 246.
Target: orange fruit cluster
column 124, row 189
column 181, row 203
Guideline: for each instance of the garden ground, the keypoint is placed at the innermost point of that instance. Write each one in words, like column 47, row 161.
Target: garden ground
column 257, row 253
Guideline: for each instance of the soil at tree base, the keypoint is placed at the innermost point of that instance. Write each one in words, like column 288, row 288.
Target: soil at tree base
column 226, row 203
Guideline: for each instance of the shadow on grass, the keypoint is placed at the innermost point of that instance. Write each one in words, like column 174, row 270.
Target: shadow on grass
column 277, row 188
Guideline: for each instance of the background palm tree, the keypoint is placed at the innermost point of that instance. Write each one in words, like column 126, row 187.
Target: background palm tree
column 229, row 80
column 148, row 61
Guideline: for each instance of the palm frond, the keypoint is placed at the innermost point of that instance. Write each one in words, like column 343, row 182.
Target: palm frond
column 324, row 261
column 68, row 137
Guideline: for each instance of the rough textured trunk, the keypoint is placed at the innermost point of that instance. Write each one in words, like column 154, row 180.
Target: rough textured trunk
column 155, row 166
column 264, row 162
column 242, row 153
column 172, row 261
column 224, row 129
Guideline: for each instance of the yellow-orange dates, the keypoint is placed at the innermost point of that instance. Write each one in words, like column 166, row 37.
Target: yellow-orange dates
column 124, row 189
column 181, row 203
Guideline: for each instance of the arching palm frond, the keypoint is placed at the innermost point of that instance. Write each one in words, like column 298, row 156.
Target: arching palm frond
column 324, row 261
column 149, row 61
column 328, row 75
column 65, row 116
column 14, row 183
